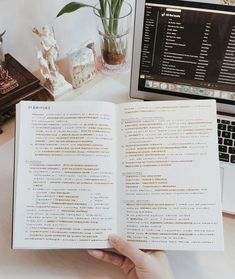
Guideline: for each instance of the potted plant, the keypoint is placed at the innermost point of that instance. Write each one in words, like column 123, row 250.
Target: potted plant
column 1, row 35
column 2, row 57
column 113, row 24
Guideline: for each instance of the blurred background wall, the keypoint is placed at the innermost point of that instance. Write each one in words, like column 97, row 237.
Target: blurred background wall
column 18, row 17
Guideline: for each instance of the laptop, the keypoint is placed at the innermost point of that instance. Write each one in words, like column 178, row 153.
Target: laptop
column 184, row 49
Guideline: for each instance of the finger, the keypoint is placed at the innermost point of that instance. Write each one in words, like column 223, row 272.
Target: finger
column 150, row 252
column 127, row 249
column 107, row 257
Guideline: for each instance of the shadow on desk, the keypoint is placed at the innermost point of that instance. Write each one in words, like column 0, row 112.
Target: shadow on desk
column 69, row 264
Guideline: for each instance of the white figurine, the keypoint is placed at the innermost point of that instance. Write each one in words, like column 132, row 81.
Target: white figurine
column 47, row 56
column 44, row 67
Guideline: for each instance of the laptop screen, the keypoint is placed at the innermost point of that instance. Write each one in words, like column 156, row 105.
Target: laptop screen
column 187, row 49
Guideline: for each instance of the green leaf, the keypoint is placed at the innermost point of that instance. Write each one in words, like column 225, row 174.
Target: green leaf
column 73, row 6
column 102, row 8
column 2, row 33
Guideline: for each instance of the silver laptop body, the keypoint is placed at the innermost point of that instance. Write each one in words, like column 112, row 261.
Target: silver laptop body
column 172, row 40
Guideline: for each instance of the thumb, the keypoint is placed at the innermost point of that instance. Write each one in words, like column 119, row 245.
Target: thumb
column 127, row 249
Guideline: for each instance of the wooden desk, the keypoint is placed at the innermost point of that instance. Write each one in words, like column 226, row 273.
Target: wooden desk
column 78, row 264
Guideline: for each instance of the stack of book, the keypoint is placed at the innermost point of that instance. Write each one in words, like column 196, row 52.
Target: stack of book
column 26, row 87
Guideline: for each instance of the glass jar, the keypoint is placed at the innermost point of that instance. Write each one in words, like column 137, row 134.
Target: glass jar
column 114, row 34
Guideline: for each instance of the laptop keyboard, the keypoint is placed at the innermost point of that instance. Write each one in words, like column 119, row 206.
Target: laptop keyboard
column 226, row 140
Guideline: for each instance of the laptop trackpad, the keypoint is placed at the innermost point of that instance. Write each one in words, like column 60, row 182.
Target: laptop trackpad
column 227, row 177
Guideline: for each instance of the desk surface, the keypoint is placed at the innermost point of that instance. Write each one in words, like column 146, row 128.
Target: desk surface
column 77, row 264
